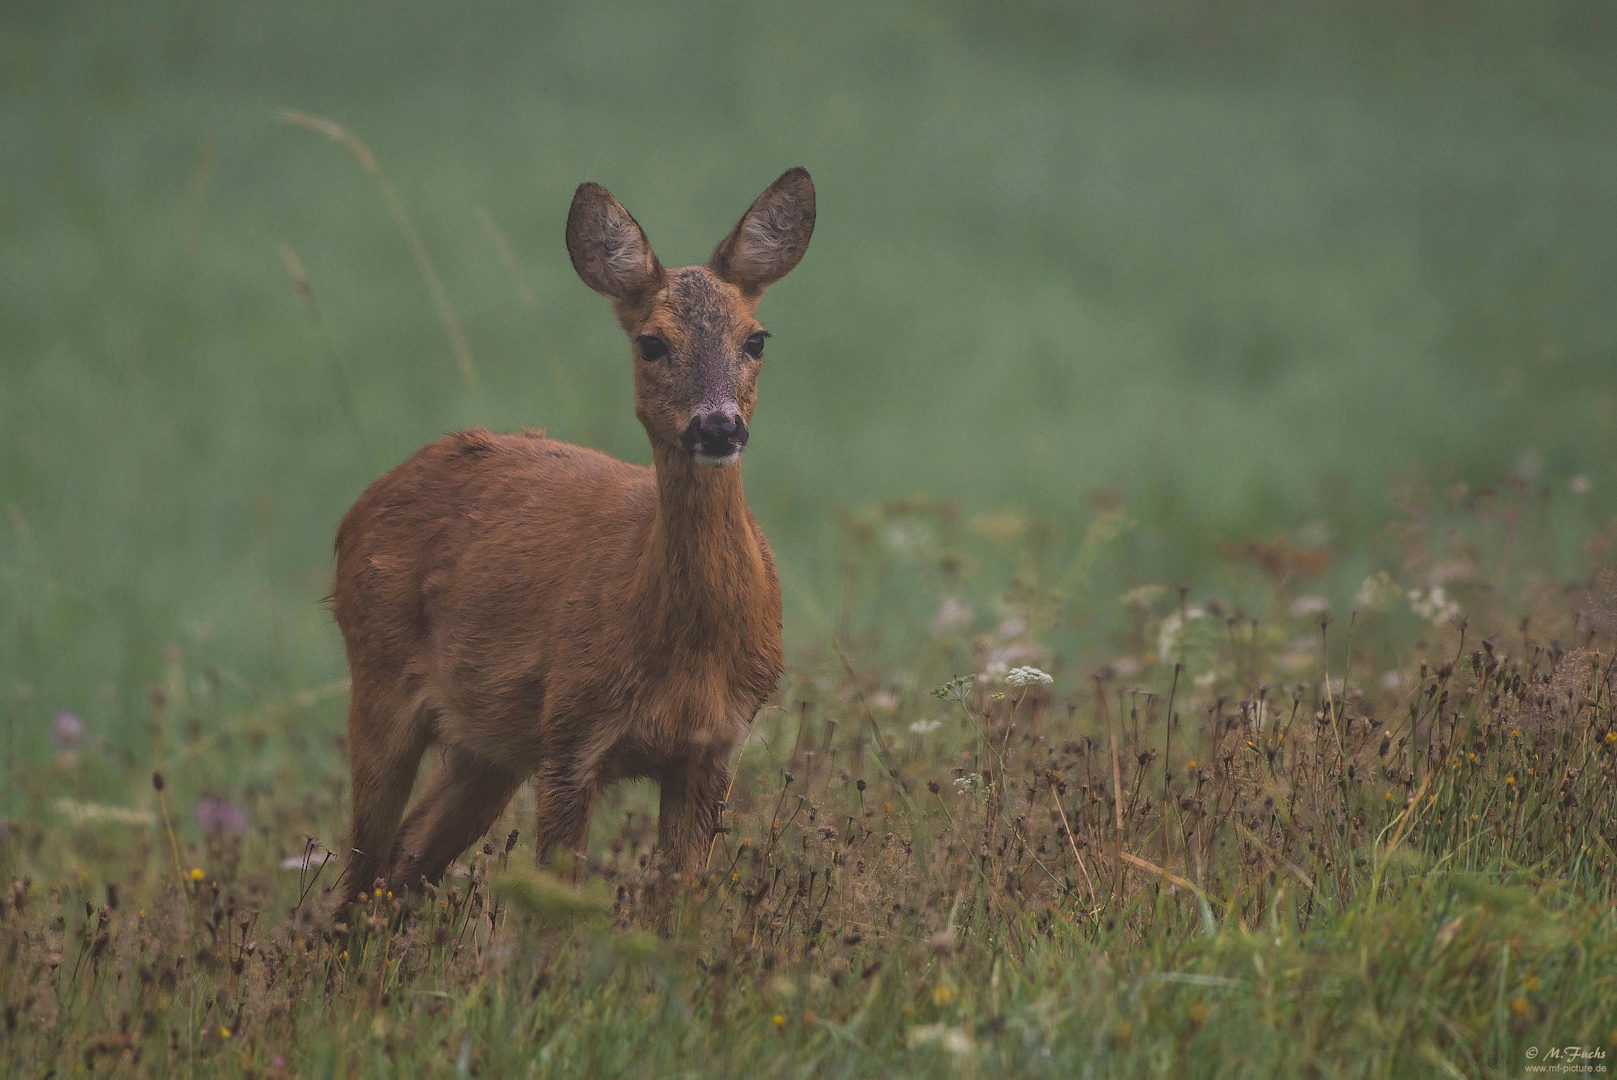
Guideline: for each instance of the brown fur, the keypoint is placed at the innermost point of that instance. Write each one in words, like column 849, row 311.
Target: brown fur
column 543, row 610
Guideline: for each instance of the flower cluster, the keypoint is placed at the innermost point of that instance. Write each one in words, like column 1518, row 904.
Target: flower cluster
column 1023, row 677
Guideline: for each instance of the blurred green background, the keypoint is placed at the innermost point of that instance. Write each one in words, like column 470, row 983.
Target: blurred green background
column 1246, row 267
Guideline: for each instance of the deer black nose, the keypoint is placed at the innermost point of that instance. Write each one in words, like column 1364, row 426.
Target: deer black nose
column 719, row 433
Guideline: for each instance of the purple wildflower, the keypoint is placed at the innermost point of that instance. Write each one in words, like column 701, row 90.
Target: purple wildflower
column 220, row 816
column 66, row 730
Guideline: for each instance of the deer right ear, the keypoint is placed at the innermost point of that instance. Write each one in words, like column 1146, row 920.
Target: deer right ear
column 610, row 251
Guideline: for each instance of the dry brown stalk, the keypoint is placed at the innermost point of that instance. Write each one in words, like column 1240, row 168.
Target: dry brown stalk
column 456, row 333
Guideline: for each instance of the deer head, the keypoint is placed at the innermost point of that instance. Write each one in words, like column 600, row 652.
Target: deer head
column 697, row 347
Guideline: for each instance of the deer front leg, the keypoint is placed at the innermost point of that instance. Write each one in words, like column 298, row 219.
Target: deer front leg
column 562, row 821
column 693, row 793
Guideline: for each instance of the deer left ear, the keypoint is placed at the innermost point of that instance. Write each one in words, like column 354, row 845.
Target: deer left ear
column 771, row 237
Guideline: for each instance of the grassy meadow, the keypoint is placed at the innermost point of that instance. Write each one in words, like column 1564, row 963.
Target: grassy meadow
column 1251, row 372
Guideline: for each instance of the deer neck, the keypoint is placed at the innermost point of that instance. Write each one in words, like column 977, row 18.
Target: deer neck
column 702, row 560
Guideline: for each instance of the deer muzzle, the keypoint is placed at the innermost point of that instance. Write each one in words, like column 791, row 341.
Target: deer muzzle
column 715, row 437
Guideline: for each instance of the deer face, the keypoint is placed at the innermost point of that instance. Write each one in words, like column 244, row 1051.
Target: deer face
column 697, row 357
column 697, row 347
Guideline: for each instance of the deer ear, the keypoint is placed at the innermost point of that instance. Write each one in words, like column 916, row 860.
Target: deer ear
column 770, row 237
column 609, row 249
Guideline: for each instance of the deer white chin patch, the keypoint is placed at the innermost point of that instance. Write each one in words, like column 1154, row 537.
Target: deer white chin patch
column 717, row 461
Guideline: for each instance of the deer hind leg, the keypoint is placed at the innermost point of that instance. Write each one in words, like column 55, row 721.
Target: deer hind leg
column 692, row 797
column 386, row 738
column 464, row 797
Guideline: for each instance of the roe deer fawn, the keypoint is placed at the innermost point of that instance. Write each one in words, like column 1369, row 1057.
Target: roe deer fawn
column 543, row 610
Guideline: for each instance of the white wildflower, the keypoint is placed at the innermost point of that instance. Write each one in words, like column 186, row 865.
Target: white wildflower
column 968, row 784
column 1171, row 637
column 1304, row 606
column 1013, row 627
column 908, row 541
column 952, row 617
column 1377, row 593
column 1028, row 676
column 952, row 1039
column 1579, row 484
column 1206, row 680
column 1433, row 606
column 923, row 727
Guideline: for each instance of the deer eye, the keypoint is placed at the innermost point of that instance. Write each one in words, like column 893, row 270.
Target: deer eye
column 652, row 347
column 755, row 344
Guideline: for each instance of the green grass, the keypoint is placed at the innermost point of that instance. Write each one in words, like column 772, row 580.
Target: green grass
column 1120, row 286
column 1246, row 270
column 1216, row 847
